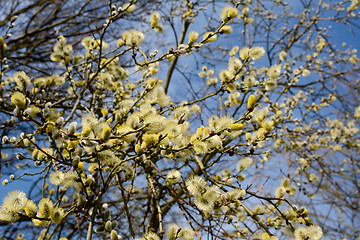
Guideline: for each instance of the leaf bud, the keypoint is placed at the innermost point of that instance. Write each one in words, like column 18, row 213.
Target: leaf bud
column 113, row 235
column 129, row 7
column 226, row 30
column 138, row 149
column 108, row 226
column 106, row 215
column 248, row 137
column 27, row 112
column 13, row 18
column 193, row 36
column 5, row 139
column 52, row 192
column 232, row 12
column 48, row 105
column 86, row 132
column 72, row 128
column 80, row 166
column 17, row 112
column 100, row 229
column 89, row 181
column 82, row 201
column 60, row 121
column 106, row 133
column 78, row 151
column 251, row 103
column 3, row 45
column 303, row 211
column 114, row 223
column 209, row 37
column 20, row 156
column 75, row 161
column 118, row 118
column 55, row 132
column 236, row 126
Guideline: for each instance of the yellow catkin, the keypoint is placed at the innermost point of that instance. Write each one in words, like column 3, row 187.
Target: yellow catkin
column 86, row 132
column 106, row 133
column 251, row 102
column 236, row 126
column 18, row 99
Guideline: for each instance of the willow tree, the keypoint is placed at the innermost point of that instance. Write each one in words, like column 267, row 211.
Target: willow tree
column 246, row 127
